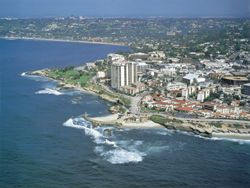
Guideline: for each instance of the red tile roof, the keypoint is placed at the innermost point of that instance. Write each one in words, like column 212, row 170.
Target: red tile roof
column 185, row 109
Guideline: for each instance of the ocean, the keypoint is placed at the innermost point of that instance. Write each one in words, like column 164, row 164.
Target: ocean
column 44, row 142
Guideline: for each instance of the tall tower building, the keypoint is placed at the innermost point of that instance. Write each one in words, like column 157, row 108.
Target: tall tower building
column 118, row 75
column 132, row 72
column 123, row 73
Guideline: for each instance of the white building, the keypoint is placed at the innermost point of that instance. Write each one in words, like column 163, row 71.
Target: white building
column 184, row 93
column 100, row 74
column 169, row 71
column 206, row 93
column 90, row 65
column 192, row 90
column 201, row 96
column 191, row 78
column 111, row 58
column 118, row 75
column 131, row 74
column 123, row 73
column 174, row 86
column 142, row 67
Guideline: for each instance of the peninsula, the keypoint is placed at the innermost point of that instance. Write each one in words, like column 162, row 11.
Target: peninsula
column 185, row 74
column 139, row 104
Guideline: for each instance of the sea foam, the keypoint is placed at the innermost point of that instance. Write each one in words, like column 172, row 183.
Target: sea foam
column 240, row 141
column 23, row 74
column 49, row 91
column 111, row 151
column 121, row 156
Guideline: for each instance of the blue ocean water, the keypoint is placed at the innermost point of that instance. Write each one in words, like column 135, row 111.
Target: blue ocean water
column 43, row 143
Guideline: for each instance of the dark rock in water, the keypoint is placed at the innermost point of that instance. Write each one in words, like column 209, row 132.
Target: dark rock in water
column 62, row 86
column 107, row 132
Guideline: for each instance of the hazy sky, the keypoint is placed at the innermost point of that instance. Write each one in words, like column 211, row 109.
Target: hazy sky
column 122, row 8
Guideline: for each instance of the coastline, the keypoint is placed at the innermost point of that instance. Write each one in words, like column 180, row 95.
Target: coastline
column 112, row 120
column 205, row 129
column 60, row 84
column 63, row 40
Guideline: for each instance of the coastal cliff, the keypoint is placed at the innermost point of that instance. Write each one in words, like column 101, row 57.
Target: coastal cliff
column 207, row 129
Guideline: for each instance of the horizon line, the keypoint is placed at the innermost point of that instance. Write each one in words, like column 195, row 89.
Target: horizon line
column 124, row 17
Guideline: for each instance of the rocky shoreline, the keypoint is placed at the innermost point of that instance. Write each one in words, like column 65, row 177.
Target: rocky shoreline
column 63, row 85
column 205, row 129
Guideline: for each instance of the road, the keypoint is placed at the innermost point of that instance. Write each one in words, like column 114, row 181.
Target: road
column 135, row 102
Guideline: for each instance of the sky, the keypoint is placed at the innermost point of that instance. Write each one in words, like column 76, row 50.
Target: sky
column 124, row 8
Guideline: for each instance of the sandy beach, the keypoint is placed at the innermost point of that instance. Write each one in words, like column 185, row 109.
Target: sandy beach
column 63, row 40
column 113, row 119
column 147, row 124
column 108, row 118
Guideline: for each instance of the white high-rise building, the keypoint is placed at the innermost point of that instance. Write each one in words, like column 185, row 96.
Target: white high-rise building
column 118, row 75
column 123, row 73
column 132, row 72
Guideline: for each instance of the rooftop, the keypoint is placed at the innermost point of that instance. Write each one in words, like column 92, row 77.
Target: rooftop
column 235, row 78
column 191, row 76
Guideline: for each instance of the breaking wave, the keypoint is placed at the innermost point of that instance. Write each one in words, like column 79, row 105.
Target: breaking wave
column 49, row 91
column 120, row 156
column 23, row 74
column 114, row 152
column 214, row 138
column 34, row 77
column 240, row 141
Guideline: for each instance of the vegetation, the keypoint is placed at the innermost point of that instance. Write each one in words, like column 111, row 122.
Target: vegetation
column 213, row 96
column 71, row 76
column 164, row 120
column 216, row 124
column 176, row 37
column 150, row 110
